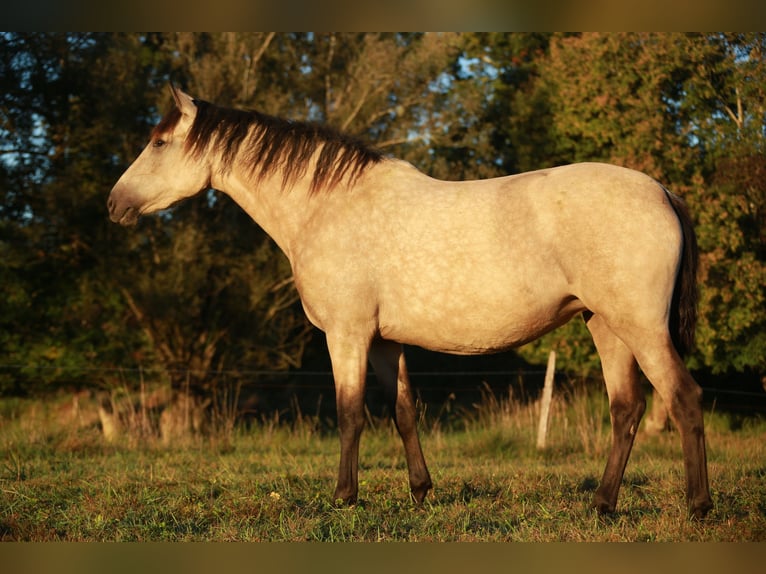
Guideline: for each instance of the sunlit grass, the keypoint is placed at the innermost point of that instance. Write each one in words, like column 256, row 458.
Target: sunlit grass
column 274, row 481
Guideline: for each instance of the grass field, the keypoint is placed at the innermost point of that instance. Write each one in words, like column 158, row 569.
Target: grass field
column 274, row 481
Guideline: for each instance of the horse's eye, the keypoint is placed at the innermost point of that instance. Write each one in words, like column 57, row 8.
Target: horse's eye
column 159, row 143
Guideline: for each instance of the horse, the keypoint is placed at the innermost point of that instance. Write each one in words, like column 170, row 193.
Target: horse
column 384, row 255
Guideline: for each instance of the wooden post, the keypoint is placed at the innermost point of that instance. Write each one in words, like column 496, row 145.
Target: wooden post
column 545, row 401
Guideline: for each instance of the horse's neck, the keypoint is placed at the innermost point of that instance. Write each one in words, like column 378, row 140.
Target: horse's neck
column 281, row 213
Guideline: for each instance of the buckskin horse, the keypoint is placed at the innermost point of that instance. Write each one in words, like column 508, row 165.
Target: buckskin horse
column 384, row 255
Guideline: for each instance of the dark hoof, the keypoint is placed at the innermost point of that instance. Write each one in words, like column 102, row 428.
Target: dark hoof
column 418, row 494
column 699, row 510
column 344, row 500
column 602, row 506
column 419, row 489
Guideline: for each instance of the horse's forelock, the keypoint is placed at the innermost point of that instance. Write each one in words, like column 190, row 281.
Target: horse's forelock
column 167, row 123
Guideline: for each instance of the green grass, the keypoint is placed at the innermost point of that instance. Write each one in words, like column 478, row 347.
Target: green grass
column 274, row 482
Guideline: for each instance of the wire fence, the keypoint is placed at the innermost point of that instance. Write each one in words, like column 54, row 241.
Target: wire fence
column 429, row 386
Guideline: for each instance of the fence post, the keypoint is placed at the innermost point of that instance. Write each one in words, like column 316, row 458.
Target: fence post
column 545, row 401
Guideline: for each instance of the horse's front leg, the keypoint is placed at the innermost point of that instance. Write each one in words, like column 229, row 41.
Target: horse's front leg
column 349, row 366
column 387, row 359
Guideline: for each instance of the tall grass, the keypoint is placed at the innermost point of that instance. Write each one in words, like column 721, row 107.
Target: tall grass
column 579, row 418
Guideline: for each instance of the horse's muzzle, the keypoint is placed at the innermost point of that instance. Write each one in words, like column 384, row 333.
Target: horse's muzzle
column 120, row 211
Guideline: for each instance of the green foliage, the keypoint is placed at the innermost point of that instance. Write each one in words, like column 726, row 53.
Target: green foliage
column 615, row 98
column 575, row 351
column 731, row 225
column 57, row 164
column 207, row 302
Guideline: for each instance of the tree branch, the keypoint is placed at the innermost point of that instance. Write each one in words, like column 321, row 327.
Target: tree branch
column 397, row 141
column 262, row 49
column 737, row 117
column 253, row 63
column 327, row 83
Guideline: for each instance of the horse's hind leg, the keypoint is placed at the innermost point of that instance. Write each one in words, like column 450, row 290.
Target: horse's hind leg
column 387, row 359
column 626, row 407
column 683, row 397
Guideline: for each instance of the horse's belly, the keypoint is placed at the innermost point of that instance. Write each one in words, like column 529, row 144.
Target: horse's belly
column 475, row 328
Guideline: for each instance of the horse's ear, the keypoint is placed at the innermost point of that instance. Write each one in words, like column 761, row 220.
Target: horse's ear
column 184, row 102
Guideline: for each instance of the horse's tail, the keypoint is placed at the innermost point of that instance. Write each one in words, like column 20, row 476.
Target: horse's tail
column 683, row 311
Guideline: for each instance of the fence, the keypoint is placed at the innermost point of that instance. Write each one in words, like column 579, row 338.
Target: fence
column 278, row 389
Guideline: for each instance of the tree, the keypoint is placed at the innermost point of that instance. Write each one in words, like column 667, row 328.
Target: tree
column 211, row 296
column 513, row 111
column 727, row 101
column 57, row 316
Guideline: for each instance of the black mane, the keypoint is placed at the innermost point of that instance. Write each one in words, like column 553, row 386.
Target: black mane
column 268, row 144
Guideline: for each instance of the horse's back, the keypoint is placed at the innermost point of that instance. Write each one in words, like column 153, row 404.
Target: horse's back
column 562, row 218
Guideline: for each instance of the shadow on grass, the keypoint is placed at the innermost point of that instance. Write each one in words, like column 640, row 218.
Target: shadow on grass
column 588, row 484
